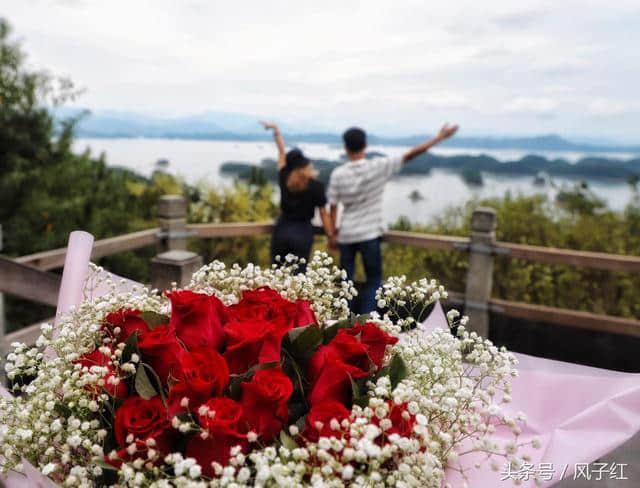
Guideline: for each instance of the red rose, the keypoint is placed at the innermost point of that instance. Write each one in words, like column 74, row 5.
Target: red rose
column 252, row 342
column 334, row 382
column 304, row 314
column 128, row 321
column 333, row 365
column 160, row 348
column 264, row 402
column 375, row 338
column 96, row 358
column 197, row 319
column 325, row 412
column 401, row 420
column 267, row 304
column 142, row 420
column 199, row 375
column 349, row 349
column 221, row 424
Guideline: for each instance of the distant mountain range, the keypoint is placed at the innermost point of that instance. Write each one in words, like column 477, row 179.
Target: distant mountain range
column 244, row 127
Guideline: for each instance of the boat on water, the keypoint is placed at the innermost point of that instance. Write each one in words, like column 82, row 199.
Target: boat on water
column 542, row 178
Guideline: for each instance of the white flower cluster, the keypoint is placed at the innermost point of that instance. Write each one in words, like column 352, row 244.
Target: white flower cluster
column 323, row 284
column 56, row 420
column 408, row 302
column 463, row 381
column 361, row 454
column 364, row 452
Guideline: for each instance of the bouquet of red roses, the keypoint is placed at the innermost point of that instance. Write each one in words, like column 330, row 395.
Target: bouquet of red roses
column 210, row 377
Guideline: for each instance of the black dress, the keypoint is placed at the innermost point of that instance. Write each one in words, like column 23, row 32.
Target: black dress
column 293, row 233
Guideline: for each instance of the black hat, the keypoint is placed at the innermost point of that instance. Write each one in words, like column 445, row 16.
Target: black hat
column 296, row 159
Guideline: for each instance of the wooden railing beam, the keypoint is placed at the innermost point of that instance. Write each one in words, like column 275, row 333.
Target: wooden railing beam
column 27, row 335
column 53, row 259
column 209, row 231
column 431, row 241
column 570, row 257
column 28, row 282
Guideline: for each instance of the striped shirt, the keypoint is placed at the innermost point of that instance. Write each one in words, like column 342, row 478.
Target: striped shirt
column 359, row 186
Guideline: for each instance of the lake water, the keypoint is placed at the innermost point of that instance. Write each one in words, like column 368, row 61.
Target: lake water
column 198, row 161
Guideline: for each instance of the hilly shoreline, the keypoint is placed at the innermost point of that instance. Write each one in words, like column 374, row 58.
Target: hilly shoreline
column 224, row 126
column 590, row 168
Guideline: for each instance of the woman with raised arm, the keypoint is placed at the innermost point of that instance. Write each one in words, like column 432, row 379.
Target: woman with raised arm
column 300, row 195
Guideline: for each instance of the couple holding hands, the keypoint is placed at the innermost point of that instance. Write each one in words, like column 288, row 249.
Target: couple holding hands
column 358, row 185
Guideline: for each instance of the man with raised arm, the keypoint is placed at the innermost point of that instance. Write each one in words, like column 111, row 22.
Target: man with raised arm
column 359, row 185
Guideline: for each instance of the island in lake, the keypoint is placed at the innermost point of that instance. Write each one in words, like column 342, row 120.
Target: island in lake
column 471, row 167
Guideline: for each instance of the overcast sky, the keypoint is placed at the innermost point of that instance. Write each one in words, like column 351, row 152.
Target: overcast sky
column 395, row 66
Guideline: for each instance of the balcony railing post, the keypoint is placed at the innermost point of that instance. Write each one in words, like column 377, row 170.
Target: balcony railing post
column 174, row 264
column 172, row 219
column 480, row 273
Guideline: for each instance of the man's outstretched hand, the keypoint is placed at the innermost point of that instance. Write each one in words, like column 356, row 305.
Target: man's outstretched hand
column 447, row 131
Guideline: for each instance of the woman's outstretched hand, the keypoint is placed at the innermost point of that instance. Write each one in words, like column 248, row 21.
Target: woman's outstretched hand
column 447, row 131
column 277, row 137
column 269, row 125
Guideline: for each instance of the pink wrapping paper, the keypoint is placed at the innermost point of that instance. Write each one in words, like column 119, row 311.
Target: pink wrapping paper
column 578, row 413
column 75, row 272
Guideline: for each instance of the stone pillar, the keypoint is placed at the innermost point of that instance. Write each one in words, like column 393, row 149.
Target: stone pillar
column 172, row 218
column 480, row 273
column 175, row 266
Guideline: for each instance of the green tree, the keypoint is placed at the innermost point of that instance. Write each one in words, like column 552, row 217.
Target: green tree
column 47, row 191
column 241, row 203
column 536, row 220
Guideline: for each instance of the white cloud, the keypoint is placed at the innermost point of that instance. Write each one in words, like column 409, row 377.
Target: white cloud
column 486, row 63
column 540, row 107
column 605, row 107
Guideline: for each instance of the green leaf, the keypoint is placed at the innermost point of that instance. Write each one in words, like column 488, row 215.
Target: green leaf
column 297, row 409
column 304, row 343
column 235, row 380
column 296, row 375
column 104, row 465
column 254, row 369
column 130, row 347
column 358, row 393
column 362, row 318
column 143, row 384
column 158, row 383
column 397, row 370
column 62, row 409
column 295, row 333
column 301, row 423
column 331, row 331
column 154, row 319
column 287, row 441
